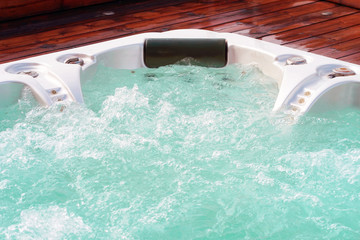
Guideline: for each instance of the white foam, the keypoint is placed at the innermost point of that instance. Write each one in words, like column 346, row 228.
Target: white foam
column 53, row 222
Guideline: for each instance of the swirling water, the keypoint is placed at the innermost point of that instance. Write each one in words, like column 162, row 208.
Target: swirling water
column 179, row 152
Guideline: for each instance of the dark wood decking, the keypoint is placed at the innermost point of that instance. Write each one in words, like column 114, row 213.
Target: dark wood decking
column 321, row 27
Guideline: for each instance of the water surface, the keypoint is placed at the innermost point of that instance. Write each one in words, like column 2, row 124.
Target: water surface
column 177, row 153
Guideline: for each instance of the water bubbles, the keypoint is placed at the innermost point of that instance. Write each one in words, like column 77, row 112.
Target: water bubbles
column 51, row 223
column 177, row 152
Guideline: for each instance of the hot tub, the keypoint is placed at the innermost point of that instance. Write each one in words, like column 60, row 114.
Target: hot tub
column 305, row 80
column 131, row 149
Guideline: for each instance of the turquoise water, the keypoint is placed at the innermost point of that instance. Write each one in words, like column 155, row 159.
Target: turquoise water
column 177, row 153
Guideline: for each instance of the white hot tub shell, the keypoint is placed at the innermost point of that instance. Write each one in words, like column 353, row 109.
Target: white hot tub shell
column 305, row 80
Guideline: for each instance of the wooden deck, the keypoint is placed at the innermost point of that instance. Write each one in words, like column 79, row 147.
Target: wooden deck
column 322, row 27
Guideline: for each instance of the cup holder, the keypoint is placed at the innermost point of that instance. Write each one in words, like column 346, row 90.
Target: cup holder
column 335, row 70
column 76, row 59
column 31, row 69
column 291, row 59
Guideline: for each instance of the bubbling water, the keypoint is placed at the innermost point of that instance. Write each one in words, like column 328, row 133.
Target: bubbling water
column 179, row 152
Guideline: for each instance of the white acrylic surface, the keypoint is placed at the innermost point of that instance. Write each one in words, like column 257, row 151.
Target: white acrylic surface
column 300, row 86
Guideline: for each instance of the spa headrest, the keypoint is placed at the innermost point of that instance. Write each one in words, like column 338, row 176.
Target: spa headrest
column 208, row 52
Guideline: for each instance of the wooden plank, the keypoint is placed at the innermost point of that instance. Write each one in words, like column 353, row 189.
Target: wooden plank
column 78, row 16
column 283, row 21
column 7, row 4
column 237, row 15
column 353, row 58
column 56, row 45
column 121, row 12
column 298, row 22
column 298, row 34
column 93, row 31
column 339, row 49
column 120, row 21
column 268, row 19
column 350, row 3
column 13, row 9
column 327, row 38
column 66, row 4
column 22, row 8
